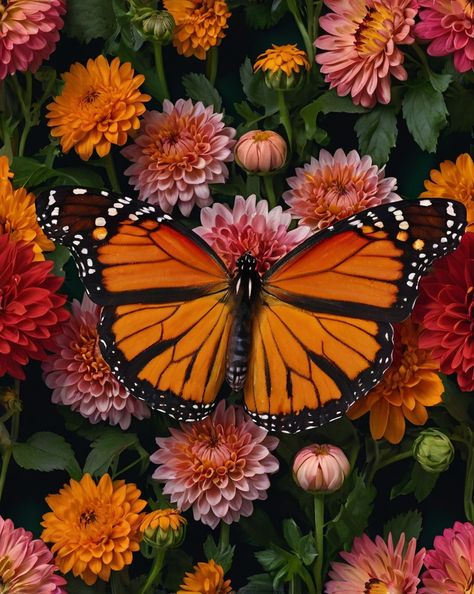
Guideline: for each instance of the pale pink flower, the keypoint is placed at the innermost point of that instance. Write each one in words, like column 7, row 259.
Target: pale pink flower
column 450, row 565
column 335, row 187
column 178, row 153
column 217, row 466
column 26, row 564
column 81, row 379
column 362, row 46
column 374, row 567
column 260, row 151
column 29, row 31
column 249, row 227
column 320, row 468
column 449, row 27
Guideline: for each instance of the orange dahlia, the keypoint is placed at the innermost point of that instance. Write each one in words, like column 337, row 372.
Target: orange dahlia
column 454, row 180
column 164, row 528
column 206, row 578
column 410, row 385
column 199, row 26
column 5, row 172
column 287, row 58
column 94, row 528
column 99, row 106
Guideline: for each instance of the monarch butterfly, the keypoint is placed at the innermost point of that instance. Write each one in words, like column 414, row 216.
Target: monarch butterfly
column 305, row 340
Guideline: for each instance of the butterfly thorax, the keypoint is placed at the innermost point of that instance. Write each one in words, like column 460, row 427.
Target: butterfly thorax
column 245, row 289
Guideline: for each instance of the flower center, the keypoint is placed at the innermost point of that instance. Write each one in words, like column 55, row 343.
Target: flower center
column 375, row 586
column 321, row 450
column 6, row 574
column 88, row 517
column 87, row 349
column 374, row 31
column 261, row 136
column 90, row 96
column 469, row 8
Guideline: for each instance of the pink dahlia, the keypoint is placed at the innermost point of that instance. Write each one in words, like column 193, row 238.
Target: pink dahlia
column 29, row 31
column 449, row 27
column 450, row 565
column 26, row 564
column 335, row 187
column 81, row 379
column 249, row 227
column 377, row 567
column 362, row 46
column 178, row 153
column 217, row 466
column 445, row 310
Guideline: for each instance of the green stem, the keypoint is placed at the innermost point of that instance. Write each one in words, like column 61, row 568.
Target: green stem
column 295, row 11
column 128, row 467
column 212, row 59
column 224, row 536
column 109, row 165
column 306, row 577
column 315, row 31
column 14, row 433
column 155, row 571
column 310, row 17
column 423, row 59
column 116, row 583
column 160, row 68
column 469, row 483
column 269, row 190
column 285, row 117
column 393, row 459
column 318, row 534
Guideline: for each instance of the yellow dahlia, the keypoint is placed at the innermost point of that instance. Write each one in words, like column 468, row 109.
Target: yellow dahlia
column 99, row 106
column 206, row 578
column 94, row 528
column 199, row 26
column 18, row 216
column 5, row 172
column 286, row 58
column 454, row 180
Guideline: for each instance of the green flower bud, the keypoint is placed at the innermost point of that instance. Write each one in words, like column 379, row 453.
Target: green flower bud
column 154, row 25
column 279, row 81
column 433, row 450
column 163, row 528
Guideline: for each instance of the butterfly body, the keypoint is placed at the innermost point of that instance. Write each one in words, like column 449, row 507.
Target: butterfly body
column 305, row 340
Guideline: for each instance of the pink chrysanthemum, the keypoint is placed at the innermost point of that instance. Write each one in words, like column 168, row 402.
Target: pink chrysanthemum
column 29, row 31
column 178, row 153
column 81, row 379
column 335, row 187
column 217, row 466
column 249, row 227
column 445, row 310
column 377, row 567
column 449, row 27
column 450, row 565
column 362, row 46
column 26, row 564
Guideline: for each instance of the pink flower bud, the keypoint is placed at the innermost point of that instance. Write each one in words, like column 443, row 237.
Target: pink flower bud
column 320, row 468
column 260, row 151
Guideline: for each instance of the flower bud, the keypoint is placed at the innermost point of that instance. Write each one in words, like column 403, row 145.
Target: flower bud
column 320, row 468
column 163, row 528
column 260, row 151
column 284, row 67
column 279, row 81
column 155, row 25
column 433, row 450
column 9, row 399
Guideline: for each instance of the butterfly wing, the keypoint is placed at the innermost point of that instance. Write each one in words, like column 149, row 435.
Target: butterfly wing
column 322, row 334
column 166, row 315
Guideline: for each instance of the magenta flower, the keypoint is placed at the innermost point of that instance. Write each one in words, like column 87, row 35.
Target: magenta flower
column 26, row 564
column 249, row 227
column 178, row 153
column 81, row 379
column 217, row 466
column 335, row 187
column 29, row 31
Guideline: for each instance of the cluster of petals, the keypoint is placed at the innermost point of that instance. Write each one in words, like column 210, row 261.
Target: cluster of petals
column 375, row 567
column 285, row 58
column 31, row 312
column 217, row 466
column 260, row 151
column 29, row 31
column 205, row 578
column 79, row 376
column 334, row 187
column 26, row 563
column 178, row 153
column 361, row 48
column 99, row 106
column 448, row 26
column 320, row 468
column 249, row 227
column 445, row 310
column 94, row 527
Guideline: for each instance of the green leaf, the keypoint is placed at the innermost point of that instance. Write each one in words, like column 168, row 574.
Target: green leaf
column 261, row 583
column 262, row 15
column 105, row 448
column 425, row 113
column 59, row 257
column 223, row 555
column 419, row 482
column 78, row 176
column 459, row 101
column 292, row 533
column 178, row 562
column 256, row 90
column 440, row 82
column 29, row 172
column 89, row 19
column 377, row 133
column 259, row 530
column 272, row 559
column 47, row 451
column 410, row 523
column 457, row 403
column 198, row 88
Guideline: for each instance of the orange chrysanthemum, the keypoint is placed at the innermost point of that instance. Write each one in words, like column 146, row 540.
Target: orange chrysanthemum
column 165, row 519
column 454, row 180
column 286, row 58
column 99, row 106
column 5, row 173
column 18, row 216
column 200, row 25
column 410, row 385
column 206, row 578
column 94, row 528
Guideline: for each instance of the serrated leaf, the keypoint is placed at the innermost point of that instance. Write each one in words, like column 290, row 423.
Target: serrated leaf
column 410, row 523
column 198, row 88
column 272, row 559
column 89, row 19
column 261, row 583
column 457, row 403
column 261, row 15
column 419, row 482
column 46, row 451
column 30, row 173
column 223, row 555
column 256, row 90
column 105, row 448
column 440, row 82
column 377, row 133
column 425, row 113
column 292, row 533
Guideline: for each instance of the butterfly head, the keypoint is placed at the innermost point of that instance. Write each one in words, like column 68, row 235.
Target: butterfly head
column 247, row 263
